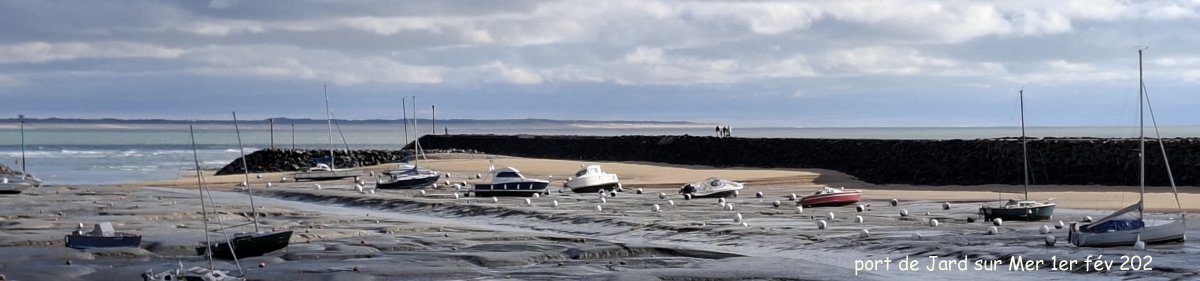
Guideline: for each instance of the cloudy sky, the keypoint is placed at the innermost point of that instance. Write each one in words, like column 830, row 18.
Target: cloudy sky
column 748, row 63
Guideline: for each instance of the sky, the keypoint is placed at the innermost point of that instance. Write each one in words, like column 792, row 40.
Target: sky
column 846, row 63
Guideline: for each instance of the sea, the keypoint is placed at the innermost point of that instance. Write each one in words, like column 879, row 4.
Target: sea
column 118, row 154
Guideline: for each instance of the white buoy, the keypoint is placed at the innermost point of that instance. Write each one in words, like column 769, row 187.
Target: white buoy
column 603, row 200
column 720, row 200
column 864, row 233
column 317, row 185
column 554, row 203
column 744, row 224
column 729, row 206
column 1045, row 229
column 270, row 185
column 671, row 202
column 933, row 222
column 240, row 184
column 446, row 182
column 599, row 209
column 528, row 202
column 792, row 197
column 735, row 193
column 358, row 187
column 993, row 230
column 655, row 208
column 830, row 216
column 1050, row 240
column 494, row 199
column 758, row 194
column 1060, row 225
column 997, row 222
column 639, row 191
column 422, row 192
column 1087, row 219
column 687, row 196
column 799, row 209
column 456, row 195
column 737, row 217
column 858, row 219
column 620, row 189
column 371, row 191
column 537, row 195
column 946, row 206
column 258, row 176
column 860, row 208
column 478, row 176
column 928, row 213
column 903, row 212
column 821, row 224
column 895, row 202
column 776, row 203
column 662, row 195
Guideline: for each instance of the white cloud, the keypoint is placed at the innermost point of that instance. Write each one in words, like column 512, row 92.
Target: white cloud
column 291, row 62
column 10, row 81
column 38, row 52
column 512, row 75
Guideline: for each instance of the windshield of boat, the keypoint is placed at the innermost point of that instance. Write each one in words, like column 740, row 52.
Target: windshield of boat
column 507, row 175
column 581, row 173
column 715, row 183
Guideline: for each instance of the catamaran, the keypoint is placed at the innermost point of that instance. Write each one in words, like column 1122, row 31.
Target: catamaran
column 1114, row 230
column 1024, row 209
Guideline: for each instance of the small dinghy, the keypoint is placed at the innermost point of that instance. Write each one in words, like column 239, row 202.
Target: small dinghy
column 712, row 187
column 591, row 179
column 829, row 196
column 101, row 236
column 510, row 182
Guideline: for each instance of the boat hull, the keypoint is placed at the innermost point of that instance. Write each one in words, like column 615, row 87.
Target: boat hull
column 836, row 199
column 252, row 245
column 594, row 188
column 1157, row 234
column 1034, row 213
column 410, row 183
column 527, row 188
column 718, row 194
column 87, row 242
column 14, row 188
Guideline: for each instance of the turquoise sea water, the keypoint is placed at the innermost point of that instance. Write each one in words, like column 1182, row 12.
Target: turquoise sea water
column 113, row 155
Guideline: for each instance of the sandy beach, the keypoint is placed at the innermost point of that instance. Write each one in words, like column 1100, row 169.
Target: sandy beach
column 342, row 234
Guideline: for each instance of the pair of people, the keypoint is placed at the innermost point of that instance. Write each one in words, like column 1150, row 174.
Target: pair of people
column 723, row 132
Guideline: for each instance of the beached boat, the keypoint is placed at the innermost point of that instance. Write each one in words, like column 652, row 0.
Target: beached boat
column 14, row 182
column 592, row 179
column 102, row 235
column 322, row 171
column 1118, row 229
column 407, row 176
column 829, row 196
column 510, row 182
column 1026, row 209
column 711, row 187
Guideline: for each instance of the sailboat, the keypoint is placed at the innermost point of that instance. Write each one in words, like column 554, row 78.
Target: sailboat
column 14, row 182
column 323, row 171
column 1113, row 230
column 1026, row 209
column 410, row 176
column 248, row 244
column 209, row 273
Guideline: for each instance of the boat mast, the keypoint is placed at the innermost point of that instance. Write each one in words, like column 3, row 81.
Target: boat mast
column 417, row 151
column 329, row 122
column 1141, row 139
column 404, row 111
column 203, row 207
column 24, row 174
column 1024, row 145
column 246, row 169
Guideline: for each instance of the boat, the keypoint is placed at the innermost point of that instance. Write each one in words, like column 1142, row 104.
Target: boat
column 1118, row 229
column 510, row 182
column 407, row 176
column 102, row 235
column 829, row 196
column 591, row 179
column 711, row 187
column 247, row 244
column 322, row 171
column 15, row 182
column 1027, row 210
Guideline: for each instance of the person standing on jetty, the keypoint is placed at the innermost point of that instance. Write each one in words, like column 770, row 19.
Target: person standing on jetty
column 717, row 130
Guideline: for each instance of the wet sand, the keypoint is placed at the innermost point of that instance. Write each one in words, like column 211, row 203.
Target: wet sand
column 403, row 235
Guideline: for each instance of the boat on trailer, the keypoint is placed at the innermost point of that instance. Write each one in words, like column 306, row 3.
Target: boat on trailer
column 592, row 179
column 711, row 187
column 829, row 196
column 509, row 181
column 1118, row 229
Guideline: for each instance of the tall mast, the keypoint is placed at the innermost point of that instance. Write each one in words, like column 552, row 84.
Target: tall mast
column 433, row 126
column 1141, row 139
column 246, row 169
column 24, row 174
column 417, row 151
column 329, row 121
column 203, row 207
column 404, row 111
column 1024, row 145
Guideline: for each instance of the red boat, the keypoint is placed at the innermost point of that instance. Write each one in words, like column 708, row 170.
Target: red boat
column 831, row 197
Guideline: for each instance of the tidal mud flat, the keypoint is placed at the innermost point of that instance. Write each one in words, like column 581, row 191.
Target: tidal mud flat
column 343, row 234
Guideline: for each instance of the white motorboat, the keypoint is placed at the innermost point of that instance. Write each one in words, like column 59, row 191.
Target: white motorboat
column 510, row 182
column 1118, row 229
column 712, row 187
column 592, row 179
